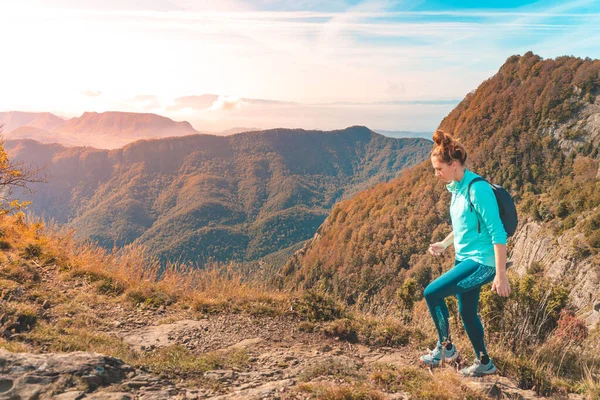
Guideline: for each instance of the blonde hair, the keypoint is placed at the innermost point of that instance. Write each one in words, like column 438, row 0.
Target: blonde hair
column 448, row 149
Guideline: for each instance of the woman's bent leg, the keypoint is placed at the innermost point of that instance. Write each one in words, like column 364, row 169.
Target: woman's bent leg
column 437, row 308
column 464, row 277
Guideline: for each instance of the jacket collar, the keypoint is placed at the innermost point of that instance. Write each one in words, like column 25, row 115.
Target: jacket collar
column 456, row 186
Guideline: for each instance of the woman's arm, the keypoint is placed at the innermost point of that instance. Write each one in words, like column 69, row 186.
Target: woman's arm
column 501, row 284
column 438, row 248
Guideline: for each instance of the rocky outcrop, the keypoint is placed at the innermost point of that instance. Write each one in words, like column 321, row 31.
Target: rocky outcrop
column 281, row 360
column 584, row 128
column 558, row 257
column 32, row 376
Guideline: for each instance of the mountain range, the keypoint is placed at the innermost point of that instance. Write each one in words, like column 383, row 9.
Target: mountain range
column 202, row 197
column 103, row 130
column 114, row 129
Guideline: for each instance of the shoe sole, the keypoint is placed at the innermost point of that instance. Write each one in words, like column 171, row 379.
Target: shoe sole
column 480, row 374
column 447, row 359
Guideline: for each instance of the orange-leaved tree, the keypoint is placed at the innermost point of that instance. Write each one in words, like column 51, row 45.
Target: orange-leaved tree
column 15, row 175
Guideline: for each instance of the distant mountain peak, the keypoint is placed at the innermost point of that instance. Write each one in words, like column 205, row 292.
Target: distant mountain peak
column 128, row 124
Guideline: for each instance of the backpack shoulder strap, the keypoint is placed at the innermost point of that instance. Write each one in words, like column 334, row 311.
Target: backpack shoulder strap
column 477, row 179
column 471, row 207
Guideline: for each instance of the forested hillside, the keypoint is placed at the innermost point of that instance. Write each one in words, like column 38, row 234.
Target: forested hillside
column 206, row 197
column 534, row 128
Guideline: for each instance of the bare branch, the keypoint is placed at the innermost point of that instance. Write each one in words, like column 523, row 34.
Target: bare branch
column 16, row 174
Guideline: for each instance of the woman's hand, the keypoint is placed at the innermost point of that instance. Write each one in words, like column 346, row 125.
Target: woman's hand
column 501, row 285
column 437, row 248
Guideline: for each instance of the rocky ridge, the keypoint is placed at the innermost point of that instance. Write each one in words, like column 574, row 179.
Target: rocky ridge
column 281, row 360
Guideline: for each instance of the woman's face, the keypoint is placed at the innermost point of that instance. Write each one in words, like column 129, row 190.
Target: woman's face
column 445, row 172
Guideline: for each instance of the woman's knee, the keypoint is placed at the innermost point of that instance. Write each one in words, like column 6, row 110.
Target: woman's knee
column 431, row 293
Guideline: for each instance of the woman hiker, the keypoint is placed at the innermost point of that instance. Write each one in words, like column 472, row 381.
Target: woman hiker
column 480, row 257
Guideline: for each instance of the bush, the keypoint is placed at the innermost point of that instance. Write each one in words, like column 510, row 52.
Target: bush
column 32, row 251
column 307, row 326
column 570, row 328
column 151, row 297
column 22, row 273
column 594, row 239
column 385, row 333
column 526, row 374
column 529, row 314
column 344, row 329
column 17, row 317
column 317, row 306
column 101, row 281
column 406, row 296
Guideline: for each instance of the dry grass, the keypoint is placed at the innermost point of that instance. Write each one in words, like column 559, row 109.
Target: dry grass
column 173, row 360
column 65, row 339
column 329, row 391
column 178, row 360
column 591, row 384
column 370, row 330
column 336, row 367
column 90, row 280
column 133, row 272
column 420, row 384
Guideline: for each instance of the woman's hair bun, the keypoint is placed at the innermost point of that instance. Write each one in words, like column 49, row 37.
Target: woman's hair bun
column 441, row 138
column 447, row 148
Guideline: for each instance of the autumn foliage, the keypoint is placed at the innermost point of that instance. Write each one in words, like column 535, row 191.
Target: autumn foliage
column 513, row 127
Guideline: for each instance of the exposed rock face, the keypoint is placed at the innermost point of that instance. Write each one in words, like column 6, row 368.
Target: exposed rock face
column 557, row 256
column 150, row 337
column 29, row 376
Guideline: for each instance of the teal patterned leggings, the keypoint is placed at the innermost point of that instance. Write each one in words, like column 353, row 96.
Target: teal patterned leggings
column 464, row 281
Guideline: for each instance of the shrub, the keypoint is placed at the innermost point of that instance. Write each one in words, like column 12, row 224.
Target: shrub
column 594, row 239
column 318, row 306
column 385, row 333
column 344, row 329
column 406, row 296
column 570, row 328
column 526, row 374
column 529, row 314
column 20, row 272
column 18, row 317
column 307, row 326
column 32, row 251
column 151, row 297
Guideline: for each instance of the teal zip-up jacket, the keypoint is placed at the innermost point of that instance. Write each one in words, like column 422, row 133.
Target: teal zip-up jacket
column 468, row 243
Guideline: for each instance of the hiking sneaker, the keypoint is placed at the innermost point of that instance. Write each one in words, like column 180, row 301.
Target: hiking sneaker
column 435, row 356
column 479, row 369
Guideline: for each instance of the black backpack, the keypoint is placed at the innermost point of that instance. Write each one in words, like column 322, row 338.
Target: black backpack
column 506, row 206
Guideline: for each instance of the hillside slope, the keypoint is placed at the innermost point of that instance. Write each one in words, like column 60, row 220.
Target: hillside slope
column 532, row 128
column 80, row 323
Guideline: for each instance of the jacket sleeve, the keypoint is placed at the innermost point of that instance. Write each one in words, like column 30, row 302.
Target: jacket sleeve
column 484, row 201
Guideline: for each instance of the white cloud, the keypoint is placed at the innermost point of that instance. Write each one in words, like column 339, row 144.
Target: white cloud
column 228, row 103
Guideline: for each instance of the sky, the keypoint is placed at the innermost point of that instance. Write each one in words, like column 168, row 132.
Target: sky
column 394, row 65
